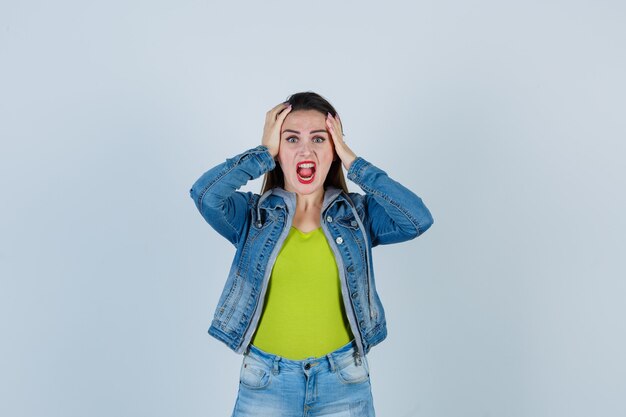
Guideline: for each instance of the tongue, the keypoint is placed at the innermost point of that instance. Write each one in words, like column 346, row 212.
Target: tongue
column 305, row 172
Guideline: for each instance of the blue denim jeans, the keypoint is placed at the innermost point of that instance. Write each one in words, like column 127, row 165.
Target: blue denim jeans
column 336, row 385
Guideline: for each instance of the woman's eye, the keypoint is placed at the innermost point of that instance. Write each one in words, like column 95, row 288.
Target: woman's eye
column 319, row 139
column 292, row 139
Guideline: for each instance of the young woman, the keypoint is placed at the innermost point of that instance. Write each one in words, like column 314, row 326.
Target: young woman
column 300, row 301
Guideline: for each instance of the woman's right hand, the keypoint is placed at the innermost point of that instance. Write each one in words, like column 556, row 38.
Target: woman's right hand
column 273, row 122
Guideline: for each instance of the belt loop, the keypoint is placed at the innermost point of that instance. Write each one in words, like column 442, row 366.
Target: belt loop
column 331, row 362
column 357, row 358
column 275, row 369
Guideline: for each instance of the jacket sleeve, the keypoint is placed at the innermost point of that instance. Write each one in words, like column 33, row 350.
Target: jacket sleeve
column 215, row 192
column 393, row 213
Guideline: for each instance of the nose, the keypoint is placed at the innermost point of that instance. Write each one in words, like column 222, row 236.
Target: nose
column 305, row 148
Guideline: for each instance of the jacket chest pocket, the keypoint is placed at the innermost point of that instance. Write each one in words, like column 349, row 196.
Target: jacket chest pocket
column 348, row 222
column 352, row 234
column 262, row 231
column 261, row 219
column 347, row 219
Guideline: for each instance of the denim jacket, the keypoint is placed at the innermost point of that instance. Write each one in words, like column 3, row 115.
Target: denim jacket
column 257, row 226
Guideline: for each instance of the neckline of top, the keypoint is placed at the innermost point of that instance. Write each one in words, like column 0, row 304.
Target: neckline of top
column 305, row 233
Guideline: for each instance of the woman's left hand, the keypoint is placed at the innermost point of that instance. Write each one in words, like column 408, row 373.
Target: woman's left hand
column 345, row 154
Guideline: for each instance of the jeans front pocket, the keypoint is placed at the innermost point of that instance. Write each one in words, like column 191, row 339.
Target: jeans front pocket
column 353, row 370
column 255, row 374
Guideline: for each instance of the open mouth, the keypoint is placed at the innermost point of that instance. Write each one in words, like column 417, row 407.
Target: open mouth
column 306, row 172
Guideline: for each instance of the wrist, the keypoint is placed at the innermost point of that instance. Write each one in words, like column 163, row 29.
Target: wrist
column 273, row 152
column 348, row 160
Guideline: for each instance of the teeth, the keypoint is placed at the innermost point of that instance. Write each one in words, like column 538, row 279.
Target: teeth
column 307, row 165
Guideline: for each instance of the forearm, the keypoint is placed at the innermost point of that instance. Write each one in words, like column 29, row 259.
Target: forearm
column 215, row 192
column 406, row 215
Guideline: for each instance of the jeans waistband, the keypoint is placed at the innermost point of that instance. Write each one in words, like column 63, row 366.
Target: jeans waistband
column 333, row 360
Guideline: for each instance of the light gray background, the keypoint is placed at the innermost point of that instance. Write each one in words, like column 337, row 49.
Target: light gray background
column 507, row 118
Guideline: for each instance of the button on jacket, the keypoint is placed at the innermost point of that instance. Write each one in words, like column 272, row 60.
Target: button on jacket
column 257, row 226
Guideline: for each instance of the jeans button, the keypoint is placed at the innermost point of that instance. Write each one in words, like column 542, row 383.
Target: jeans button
column 329, row 219
column 339, row 240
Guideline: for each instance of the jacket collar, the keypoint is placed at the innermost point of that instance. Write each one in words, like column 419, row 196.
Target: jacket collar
column 330, row 195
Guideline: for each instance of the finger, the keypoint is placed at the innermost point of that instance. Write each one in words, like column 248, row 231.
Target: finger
column 272, row 114
column 336, row 139
column 331, row 123
column 335, row 127
column 280, row 106
column 284, row 112
column 340, row 123
column 279, row 117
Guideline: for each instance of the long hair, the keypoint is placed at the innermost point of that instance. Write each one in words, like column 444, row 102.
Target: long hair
column 309, row 101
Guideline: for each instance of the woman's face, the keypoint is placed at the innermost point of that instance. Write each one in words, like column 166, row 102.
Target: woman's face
column 306, row 151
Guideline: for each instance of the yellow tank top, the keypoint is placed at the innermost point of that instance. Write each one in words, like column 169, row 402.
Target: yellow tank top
column 303, row 314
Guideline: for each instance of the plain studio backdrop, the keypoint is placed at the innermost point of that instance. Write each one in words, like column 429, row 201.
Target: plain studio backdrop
column 507, row 118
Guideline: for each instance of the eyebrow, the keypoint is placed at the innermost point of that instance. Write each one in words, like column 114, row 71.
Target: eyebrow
column 312, row 131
